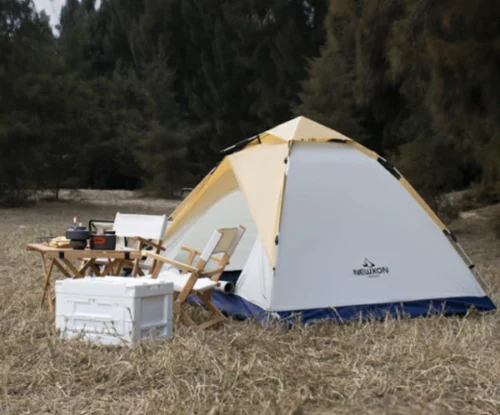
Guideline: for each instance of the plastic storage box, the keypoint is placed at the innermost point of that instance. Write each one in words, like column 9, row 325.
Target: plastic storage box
column 114, row 310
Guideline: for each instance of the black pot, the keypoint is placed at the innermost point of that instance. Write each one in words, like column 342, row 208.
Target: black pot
column 78, row 244
column 78, row 236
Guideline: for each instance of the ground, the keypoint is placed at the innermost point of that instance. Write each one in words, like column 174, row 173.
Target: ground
column 432, row 366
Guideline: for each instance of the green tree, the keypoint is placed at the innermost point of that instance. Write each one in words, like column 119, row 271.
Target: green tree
column 327, row 95
column 37, row 123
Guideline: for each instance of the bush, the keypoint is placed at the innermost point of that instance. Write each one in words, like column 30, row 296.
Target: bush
column 13, row 198
column 446, row 210
column 481, row 196
column 488, row 195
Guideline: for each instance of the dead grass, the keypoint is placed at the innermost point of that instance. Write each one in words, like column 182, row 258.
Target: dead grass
column 431, row 366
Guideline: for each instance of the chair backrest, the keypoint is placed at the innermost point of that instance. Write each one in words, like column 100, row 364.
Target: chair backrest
column 146, row 226
column 224, row 241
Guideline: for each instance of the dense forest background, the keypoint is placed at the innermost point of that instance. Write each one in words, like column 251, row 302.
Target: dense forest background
column 145, row 93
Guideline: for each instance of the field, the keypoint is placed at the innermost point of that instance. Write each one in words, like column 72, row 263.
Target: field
column 420, row 366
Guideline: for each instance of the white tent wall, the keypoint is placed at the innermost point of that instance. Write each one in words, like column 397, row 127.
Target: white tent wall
column 255, row 281
column 229, row 211
column 345, row 216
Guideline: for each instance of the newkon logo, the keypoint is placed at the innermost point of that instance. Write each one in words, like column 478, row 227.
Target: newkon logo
column 371, row 270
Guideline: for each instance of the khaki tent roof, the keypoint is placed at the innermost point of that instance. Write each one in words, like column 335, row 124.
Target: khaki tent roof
column 262, row 187
column 258, row 170
column 301, row 129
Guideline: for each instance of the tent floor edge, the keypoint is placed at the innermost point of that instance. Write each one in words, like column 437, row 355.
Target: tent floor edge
column 241, row 309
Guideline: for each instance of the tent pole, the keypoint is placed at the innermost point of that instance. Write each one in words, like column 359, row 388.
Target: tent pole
column 240, row 144
column 476, row 272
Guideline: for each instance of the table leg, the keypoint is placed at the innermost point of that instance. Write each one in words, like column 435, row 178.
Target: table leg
column 135, row 268
column 60, row 265
column 73, row 269
column 46, row 286
column 119, row 267
column 86, row 266
column 95, row 268
column 108, row 268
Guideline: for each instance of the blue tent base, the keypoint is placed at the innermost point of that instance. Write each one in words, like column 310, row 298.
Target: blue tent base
column 239, row 308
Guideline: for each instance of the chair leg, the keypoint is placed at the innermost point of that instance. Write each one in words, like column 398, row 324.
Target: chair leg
column 178, row 310
column 188, row 321
column 209, row 323
column 205, row 298
column 218, row 316
column 177, row 306
column 207, row 301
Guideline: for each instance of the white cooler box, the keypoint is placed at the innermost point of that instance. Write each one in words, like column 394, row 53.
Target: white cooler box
column 114, row 310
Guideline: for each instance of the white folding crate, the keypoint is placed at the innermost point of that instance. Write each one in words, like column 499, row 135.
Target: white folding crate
column 114, row 310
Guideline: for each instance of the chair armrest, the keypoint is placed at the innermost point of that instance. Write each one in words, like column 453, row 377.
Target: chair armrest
column 196, row 252
column 189, row 249
column 150, row 243
column 170, row 261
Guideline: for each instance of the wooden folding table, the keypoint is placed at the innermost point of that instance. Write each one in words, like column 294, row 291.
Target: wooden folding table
column 61, row 259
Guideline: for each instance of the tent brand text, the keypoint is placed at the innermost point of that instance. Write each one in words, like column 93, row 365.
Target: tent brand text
column 370, row 269
column 374, row 272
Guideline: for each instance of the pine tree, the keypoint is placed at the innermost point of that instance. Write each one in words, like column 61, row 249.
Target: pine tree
column 327, row 95
column 37, row 111
column 164, row 151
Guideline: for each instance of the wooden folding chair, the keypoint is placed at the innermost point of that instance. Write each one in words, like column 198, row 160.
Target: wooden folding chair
column 194, row 279
column 137, row 232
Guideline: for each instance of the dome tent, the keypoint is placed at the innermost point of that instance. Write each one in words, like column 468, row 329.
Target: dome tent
column 333, row 230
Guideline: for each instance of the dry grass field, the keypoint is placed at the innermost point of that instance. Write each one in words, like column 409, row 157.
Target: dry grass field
column 420, row 366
